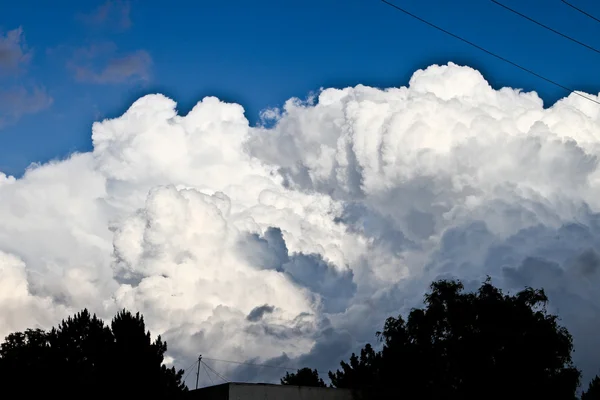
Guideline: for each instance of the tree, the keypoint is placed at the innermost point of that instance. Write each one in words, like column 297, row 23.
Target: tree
column 138, row 359
column 81, row 347
column 361, row 372
column 84, row 356
column 593, row 391
column 25, row 357
column 469, row 346
column 304, row 377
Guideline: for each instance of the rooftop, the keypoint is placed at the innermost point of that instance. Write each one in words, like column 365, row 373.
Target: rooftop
column 266, row 391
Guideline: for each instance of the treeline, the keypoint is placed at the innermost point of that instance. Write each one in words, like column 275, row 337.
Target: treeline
column 83, row 357
column 460, row 345
column 468, row 346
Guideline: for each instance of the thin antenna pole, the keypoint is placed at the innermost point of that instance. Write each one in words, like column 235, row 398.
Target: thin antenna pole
column 198, row 371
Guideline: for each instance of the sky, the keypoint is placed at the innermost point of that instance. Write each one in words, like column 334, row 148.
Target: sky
column 85, row 61
column 269, row 183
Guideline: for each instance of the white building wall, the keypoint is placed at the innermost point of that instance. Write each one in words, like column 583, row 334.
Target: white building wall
column 240, row 391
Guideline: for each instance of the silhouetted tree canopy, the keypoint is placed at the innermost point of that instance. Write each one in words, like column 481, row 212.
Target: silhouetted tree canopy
column 84, row 357
column 593, row 390
column 303, row 377
column 482, row 345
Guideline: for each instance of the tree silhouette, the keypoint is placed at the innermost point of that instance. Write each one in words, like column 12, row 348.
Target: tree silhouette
column 593, row 391
column 138, row 359
column 361, row 372
column 25, row 357
column 469, row 346
column 303, row 377
column 80, row 347
column 83, row 356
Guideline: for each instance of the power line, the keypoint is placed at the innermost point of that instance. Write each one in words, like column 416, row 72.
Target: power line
column 215, row 372
column 207, row 374
column 254, row 364
column 580, row 10
column 189, row 369
column 545, row 26
column 489, row 52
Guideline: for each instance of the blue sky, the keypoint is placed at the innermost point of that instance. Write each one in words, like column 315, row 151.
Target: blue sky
column 65, row 64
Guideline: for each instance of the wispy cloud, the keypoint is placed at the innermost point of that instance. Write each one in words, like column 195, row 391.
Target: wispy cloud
column 102, row 64
column 112, row 13
column 17, row 98
column 19, row 101
column 14, row 54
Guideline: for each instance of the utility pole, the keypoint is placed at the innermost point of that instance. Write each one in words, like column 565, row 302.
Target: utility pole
column 198, row 371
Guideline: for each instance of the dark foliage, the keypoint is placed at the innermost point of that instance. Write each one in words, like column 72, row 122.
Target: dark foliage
column 303, row 377
column 593, row 390
column 469, row 346
column 84, row 357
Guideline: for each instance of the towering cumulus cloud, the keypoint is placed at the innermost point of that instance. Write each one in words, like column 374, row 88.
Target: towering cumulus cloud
column 291, row 244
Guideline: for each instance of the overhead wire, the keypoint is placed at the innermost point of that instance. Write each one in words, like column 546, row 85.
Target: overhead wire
column 254, row 364
column 207, row 374
column 189, row 370
column 581, row 11
column 529, row 71
column 215, row 372
column 545, row 26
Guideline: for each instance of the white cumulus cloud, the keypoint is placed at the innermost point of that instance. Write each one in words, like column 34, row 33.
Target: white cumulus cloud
column 290, row 244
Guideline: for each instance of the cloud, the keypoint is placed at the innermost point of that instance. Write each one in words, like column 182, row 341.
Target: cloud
column 19, row 101
column 112, row 13
column 290, row 244
column 258, row 312
column 103, row 64
column 134, row 66
column 14, row 54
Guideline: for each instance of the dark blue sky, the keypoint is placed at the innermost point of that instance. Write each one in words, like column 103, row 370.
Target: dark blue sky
column 74, row 62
